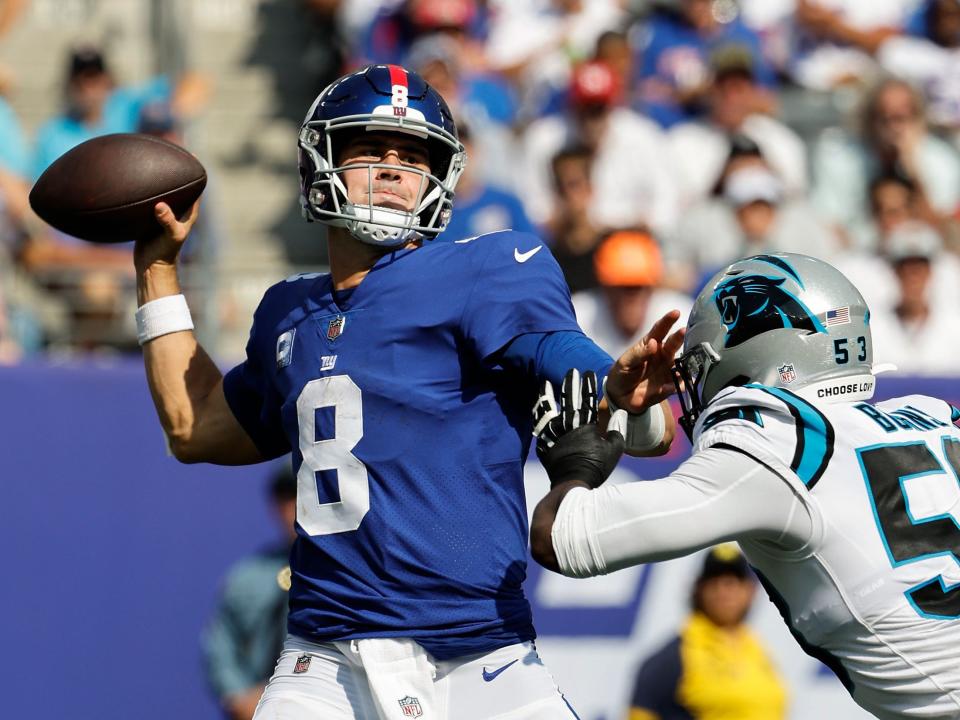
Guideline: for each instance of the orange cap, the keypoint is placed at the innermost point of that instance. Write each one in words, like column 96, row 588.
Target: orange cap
column 628, row 258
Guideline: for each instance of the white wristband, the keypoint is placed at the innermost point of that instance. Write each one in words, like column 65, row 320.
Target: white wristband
column 644, row 430
column 163, row 316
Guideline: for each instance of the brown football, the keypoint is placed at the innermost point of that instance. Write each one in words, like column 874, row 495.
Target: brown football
column 104, row 190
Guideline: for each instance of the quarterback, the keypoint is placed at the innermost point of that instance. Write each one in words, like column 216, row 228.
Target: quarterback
column 400, row 383
column 848, row 510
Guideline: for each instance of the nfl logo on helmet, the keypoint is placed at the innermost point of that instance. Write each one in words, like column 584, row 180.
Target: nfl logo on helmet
column 787, row 373
column 411, row 707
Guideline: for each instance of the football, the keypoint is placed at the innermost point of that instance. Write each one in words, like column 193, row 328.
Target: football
column 104, row 190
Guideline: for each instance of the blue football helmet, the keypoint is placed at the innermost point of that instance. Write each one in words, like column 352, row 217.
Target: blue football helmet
column 379, row 98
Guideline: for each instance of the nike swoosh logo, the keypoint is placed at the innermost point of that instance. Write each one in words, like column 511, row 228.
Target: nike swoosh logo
column 523, row 257
column 488, row 676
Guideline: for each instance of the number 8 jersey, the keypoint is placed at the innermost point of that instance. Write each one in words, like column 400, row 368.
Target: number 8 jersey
column 408, row 439
column 875, row 593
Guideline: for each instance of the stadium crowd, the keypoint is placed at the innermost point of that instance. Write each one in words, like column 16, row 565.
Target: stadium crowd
column 713, row 129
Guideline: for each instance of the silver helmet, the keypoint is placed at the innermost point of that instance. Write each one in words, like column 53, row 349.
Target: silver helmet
column 781, row 320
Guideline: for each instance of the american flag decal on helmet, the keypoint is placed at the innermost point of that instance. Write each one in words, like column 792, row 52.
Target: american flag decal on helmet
column 837, row 316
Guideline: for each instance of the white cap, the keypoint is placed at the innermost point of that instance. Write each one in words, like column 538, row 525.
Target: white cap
column 752, row 184
column 913, row 239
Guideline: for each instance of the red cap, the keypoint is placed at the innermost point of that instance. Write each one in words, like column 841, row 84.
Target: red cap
column 594, row 83
column 429, row 14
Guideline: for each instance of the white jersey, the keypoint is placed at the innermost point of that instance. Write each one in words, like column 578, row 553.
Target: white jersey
column 849, row 512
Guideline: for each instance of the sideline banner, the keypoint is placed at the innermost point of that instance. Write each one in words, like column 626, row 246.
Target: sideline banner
column 113, row 555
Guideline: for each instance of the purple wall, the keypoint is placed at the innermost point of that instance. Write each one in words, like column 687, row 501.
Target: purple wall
column 113, row 551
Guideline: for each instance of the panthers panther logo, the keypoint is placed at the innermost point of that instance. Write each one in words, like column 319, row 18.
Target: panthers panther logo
column 752, row 304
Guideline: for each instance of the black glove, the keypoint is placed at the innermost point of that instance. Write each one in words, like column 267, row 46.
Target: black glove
column 569, row 445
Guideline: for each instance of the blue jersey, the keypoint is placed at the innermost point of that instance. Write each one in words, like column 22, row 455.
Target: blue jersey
column 408, row 438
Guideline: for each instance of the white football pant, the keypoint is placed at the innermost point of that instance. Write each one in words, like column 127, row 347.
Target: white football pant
column 396, row 679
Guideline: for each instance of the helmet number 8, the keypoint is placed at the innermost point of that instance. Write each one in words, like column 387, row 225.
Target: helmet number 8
column 399, row 98
column 316, row 518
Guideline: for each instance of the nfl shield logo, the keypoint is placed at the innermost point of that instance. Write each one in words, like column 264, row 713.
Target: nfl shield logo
column 787, row 373
column 303, row 664
column 411, row 707
column 335, row 327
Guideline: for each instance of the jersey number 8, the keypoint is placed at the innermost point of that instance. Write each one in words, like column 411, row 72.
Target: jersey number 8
column 316, row 518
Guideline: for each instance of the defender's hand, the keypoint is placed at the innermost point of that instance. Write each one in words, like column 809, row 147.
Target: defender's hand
column 569, row 445
column 171, row 234
column 643, row 375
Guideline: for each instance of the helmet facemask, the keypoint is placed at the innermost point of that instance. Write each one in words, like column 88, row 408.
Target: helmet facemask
column 689, row 373
column 326, row 199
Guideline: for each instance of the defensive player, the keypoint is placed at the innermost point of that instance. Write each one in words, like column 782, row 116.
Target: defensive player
column 401, row 383
column 847, row 509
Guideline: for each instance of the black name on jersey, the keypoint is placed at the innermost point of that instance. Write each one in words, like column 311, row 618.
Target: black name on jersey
column 905, row 418
column 847, row 389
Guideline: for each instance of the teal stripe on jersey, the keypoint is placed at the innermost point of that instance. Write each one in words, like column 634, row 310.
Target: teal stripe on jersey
column 815, row 436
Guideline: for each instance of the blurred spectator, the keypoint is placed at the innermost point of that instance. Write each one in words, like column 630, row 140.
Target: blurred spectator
column 14, row 148
column 917, row 334
column 572, row 235
column 716, row 667
column 894, row 201
column 930, row 59
column 893, row 138
column 9, row 347
column 700, row 148
column 479, row 208
column 243, row 640
column 631, row 168
column 837, row 39
column 748, row 213
column 479, row 96
column 397, row 26
column 613, row 50
column 536, row 43
column 326, row 49
column 673, row 49
column 629, row 269
column 96, row 106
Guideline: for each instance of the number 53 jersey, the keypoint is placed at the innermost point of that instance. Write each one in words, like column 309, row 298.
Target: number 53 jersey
column 875, row 593
column 407, row 438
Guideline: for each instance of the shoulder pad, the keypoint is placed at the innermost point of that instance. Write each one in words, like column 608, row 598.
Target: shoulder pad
column 774, row 425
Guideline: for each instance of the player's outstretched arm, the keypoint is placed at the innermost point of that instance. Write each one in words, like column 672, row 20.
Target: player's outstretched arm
column 186, row 385
column 642, row 377
column 572, row 451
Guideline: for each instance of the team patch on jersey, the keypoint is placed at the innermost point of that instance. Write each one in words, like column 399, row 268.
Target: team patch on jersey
column 335, row 327
column 327, row 362
column 411, row 707
column 787, row 373
column 303, row 664
column 285, row 348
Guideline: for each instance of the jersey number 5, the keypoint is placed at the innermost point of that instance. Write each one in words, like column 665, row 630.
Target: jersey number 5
column 316, row 518
column 908, row 539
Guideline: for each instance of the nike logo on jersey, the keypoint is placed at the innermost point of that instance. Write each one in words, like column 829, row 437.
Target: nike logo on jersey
column 488, row 676
column 522, row 257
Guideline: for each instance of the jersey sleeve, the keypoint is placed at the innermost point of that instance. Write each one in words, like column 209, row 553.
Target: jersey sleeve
column 519, row 288
column 252, row 397
column 773, row 425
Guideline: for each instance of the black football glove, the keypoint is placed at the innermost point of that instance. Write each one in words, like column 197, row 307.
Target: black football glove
column 569, row 445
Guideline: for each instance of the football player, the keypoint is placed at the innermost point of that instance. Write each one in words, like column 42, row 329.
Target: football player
column 848, row 510
column 400, row 382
